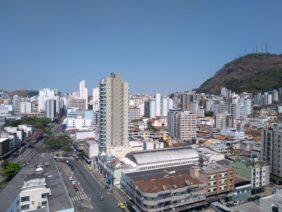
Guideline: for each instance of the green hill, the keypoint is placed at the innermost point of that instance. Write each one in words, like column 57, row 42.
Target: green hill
column 250, row 73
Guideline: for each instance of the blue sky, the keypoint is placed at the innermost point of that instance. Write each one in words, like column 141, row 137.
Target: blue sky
column 156, row 45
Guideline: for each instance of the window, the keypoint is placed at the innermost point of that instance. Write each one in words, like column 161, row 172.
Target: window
column 44, row 203
column 25, row 199
column 25, row 207
column 44, row 195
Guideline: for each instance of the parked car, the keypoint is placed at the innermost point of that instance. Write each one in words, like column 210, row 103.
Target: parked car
column 121, row 205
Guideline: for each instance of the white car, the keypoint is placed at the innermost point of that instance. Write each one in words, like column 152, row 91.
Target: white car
column 70, row 178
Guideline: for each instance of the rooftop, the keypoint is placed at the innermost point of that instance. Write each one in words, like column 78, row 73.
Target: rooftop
column 158, row 180
column 36, row 182
column 59, row 200
column 214, row 168
column 3, row 139
column 162, row 155
column 248, row 207
column 274, row 198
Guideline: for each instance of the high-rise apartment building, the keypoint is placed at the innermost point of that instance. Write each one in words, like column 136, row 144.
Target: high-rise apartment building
column 50, row 108
column 25, row 107
column 158, row 104
column 181, row 124
column 16, row 104
column 44, row 95
column 83, row 92
column 167, row 104
column 96, row 99
column 77, row 103
column 271, row 149
column 186, row 99
column 113, row 113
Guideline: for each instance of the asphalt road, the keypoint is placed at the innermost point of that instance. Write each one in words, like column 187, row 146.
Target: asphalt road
column 79, row 198
column 94, row 190
column 38, row 148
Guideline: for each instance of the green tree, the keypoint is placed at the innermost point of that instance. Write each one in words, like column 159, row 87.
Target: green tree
column 208, row 113
column 11, row 170
column 59, row 142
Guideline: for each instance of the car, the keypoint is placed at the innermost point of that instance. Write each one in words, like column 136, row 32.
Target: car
column 121, row 205
column 75, row 187
column 70, row 178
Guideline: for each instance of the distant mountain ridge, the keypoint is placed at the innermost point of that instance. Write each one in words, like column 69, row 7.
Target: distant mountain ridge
column 23, row 93
column 251, row 73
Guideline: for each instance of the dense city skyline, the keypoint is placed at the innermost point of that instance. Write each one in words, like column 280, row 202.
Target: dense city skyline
column 151, row 44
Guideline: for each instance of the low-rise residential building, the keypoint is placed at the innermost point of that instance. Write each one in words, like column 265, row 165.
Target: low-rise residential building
column 4, row 147
column 111, row 168
column 78, row 123
column 34, row 193
column 255, row 171
column 208, row 156
column 165, row 189
column 242, row 189
column 37, row 187
column 231, row 132
column 85, row 134
column 218, row 178
column 91, row 149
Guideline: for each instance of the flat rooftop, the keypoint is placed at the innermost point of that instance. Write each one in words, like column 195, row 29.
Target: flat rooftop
column 214, row 168
column 248, row 207
column 3, row 139
column 59, row 199
column 275, row 199
column 153, row 181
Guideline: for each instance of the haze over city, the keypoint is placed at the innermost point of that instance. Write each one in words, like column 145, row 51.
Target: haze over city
column 152, row 44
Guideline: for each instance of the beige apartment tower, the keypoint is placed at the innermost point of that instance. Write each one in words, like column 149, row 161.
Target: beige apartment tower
column 113, row 113
column 181, row 124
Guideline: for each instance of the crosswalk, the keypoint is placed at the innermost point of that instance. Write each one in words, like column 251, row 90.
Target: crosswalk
column 79, row 197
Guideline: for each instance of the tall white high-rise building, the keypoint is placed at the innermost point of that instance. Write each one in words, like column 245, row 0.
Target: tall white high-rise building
column 167, row 104
column 158, row 104
column 25, row 107
column 50, row 108
column 96, row 99
column 164, row 107
column 152, row 109
column 16, row 104
column 114, row 105
column 83, row 92
column 44, row 95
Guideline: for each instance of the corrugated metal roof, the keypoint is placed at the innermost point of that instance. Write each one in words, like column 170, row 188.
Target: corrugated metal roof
column 142, row 158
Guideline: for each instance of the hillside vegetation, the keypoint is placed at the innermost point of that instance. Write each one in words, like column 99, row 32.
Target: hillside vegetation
column 251, row 73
